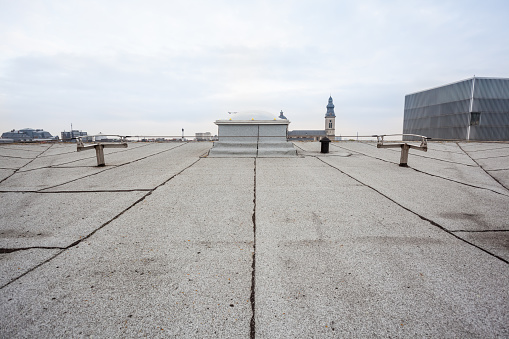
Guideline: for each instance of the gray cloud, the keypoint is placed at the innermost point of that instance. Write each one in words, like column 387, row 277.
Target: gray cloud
column 155, row 67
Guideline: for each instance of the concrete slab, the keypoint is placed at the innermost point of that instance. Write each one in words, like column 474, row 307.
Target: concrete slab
column 491, row 153
column 452, row 205
column 46, row 177
column 502, row 176
column 113, row 156
column 69, row 159
column 57, row 220
column 5, row 173
column 177, row 264
column 145, row 172
column 27, row 151
column 495, row 242
column 316, row 245
column 393, row 155
column 13, row 163
column 13, row 265
column 491, row 164
column 363, row 267
column 482, row 146
column 460, row 172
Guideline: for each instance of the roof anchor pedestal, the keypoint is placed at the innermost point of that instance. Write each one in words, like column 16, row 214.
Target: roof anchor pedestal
column 99, row 148
column 403, row 161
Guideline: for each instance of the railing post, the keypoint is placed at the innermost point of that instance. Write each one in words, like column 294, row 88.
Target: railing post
column 99, row 151
column 403, row 162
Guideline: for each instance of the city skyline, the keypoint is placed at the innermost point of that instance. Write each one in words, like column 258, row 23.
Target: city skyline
column 156, row 67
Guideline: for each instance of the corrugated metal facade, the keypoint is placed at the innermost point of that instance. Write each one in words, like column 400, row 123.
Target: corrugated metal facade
column 445, row 112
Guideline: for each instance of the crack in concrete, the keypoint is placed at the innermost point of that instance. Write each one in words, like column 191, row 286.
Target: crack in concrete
column 417, row 214
column 485, row 171
column 77, row 242
column 252, row 332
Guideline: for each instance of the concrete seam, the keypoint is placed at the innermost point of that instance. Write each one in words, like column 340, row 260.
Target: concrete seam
column 10, row 156
column 94, row 191
column 10, row 250
column 77, row 242
column 430, row 174
column 109, row 168
column 500, row 156
column 484, row 150
column 480, row 231
column 492, row 177
column 417, row 155
column 16, row 171
column 252, row 332
column 417, row 214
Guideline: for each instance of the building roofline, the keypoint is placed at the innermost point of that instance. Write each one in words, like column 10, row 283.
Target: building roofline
column 456, row 82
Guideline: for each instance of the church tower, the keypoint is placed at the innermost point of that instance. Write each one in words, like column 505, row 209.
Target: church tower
column 330, row 121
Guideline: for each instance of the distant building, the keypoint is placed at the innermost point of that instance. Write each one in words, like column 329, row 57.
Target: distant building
column 306, row 134
column 28, row 134
column 471, row 109
column 72, row 135
column 315, row 135
column 207, row 136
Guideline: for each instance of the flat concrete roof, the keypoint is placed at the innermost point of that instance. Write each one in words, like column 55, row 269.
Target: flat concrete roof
column 164, row 241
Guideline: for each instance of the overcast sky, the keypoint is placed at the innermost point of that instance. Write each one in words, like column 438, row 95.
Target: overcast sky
column 155, row 67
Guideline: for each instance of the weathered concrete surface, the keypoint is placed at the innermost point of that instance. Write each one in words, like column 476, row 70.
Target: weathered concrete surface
column 444, row 160
column 346, row 244
column 15, row 264
column 141, row 172
column 57, row 220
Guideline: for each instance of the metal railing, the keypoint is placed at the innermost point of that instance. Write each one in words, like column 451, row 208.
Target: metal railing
column 403, row 162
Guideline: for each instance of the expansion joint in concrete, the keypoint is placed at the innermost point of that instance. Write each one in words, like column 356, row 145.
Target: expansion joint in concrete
column 415, row 213
column 252, row 332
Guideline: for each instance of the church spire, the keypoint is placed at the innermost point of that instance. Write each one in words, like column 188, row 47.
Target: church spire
column 330, row 109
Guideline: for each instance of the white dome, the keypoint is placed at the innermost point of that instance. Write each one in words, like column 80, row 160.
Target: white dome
column 251, row 115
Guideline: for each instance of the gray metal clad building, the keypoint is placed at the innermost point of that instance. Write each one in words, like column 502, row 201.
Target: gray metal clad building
column 471, row 109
